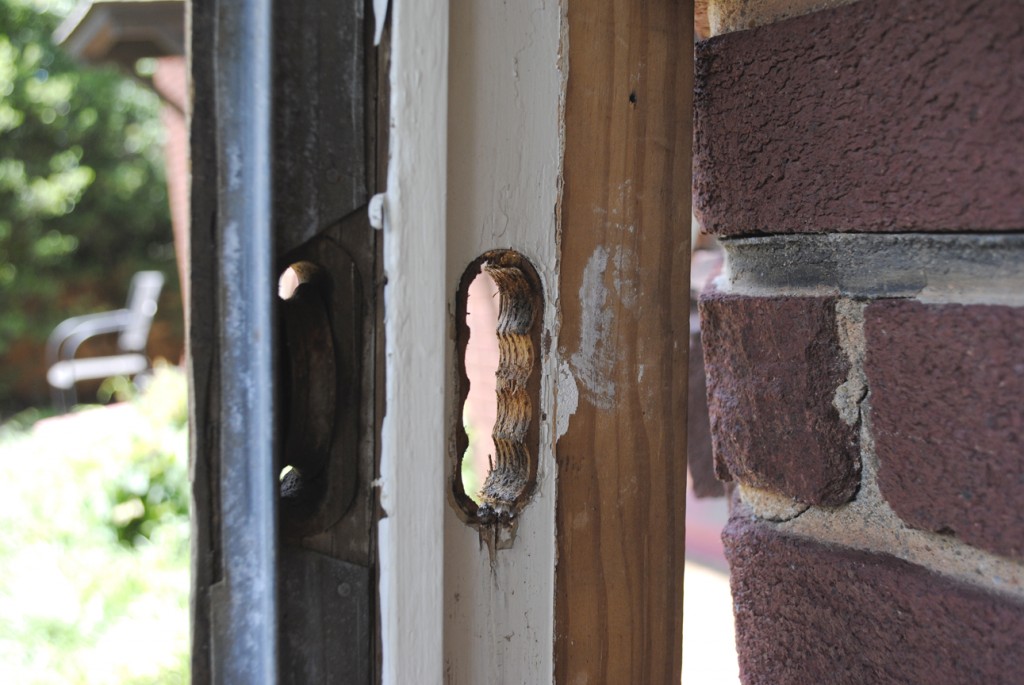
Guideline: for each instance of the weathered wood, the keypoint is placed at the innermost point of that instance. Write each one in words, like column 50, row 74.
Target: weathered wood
column 203, row 344
column 321, row 494
column 513, row 475
column 505, row 81
column 623, row 297
column 320, row 89
column 325, row 168
column 325, row 604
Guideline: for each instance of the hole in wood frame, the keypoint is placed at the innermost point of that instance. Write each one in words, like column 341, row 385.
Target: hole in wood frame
column 498, row 334
column 308, row 390
column 294, row 276
column 480, row 409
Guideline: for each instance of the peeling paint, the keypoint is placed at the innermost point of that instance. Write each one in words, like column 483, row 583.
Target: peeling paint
column 594, row 361
column 624, row 274
column 568, row 399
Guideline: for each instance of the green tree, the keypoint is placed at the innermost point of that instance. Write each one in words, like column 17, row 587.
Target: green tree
column 83, row 201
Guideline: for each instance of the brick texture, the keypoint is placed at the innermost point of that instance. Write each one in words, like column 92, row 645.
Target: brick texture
column 699, row 458
column 947, row 383
column 813, row 613
column 773, row 365
column 878, row 116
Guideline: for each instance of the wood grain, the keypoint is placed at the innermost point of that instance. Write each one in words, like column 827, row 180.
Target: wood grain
column 625, row 224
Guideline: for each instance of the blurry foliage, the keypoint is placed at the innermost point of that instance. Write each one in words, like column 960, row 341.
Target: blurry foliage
column 24, row 420
column 471, row 483
column 117, row 389
column 152, row 487
column 93, row 586
column 83, row 200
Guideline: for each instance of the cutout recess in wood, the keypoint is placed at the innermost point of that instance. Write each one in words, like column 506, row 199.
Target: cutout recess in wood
column 308, row 389
column 497, row 311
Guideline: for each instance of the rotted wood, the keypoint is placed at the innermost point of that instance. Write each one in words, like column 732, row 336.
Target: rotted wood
column 510, row 472
column 624, row 310
column 511, row 481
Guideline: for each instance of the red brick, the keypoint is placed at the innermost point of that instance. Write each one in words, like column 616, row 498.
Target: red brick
column 807, row 613
column 699, row 459
column 947, row 383
column 878, row 116
column 773, row 365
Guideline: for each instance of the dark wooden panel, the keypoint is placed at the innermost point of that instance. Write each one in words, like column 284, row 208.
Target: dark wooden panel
column 625, row 325
column 325, row 603
column 203, row 343
column 343, row 529
column 320, row 73
column 324, row 169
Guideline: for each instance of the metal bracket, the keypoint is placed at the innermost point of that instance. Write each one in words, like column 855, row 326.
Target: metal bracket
column 376, row 211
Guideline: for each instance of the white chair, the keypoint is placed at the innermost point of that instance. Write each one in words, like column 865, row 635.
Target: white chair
column 131, row 323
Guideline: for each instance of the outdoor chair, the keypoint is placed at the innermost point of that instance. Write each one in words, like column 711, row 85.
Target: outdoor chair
column 131, row 323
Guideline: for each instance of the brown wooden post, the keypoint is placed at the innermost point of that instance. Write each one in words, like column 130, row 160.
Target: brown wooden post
column 625, row 228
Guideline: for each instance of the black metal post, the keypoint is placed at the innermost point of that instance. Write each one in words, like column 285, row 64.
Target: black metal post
column 245, row 602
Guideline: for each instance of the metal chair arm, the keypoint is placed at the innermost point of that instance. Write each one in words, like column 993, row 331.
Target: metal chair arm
column 66, row 338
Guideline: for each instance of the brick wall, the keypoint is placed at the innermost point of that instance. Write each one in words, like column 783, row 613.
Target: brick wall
column 171, row 82
column 864, row 345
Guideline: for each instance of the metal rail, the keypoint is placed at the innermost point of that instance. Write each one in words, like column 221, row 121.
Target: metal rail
column 245, row 603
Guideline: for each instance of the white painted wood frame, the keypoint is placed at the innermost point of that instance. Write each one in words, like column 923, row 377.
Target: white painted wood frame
column 475, row 163
column 412, row 478
column 504, row 168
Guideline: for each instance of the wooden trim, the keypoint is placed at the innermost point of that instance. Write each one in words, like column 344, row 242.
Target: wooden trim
column 413, row 454
column 505, row 85
column 625, row 233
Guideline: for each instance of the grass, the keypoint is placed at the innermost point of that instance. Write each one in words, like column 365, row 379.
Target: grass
column 94, row 543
